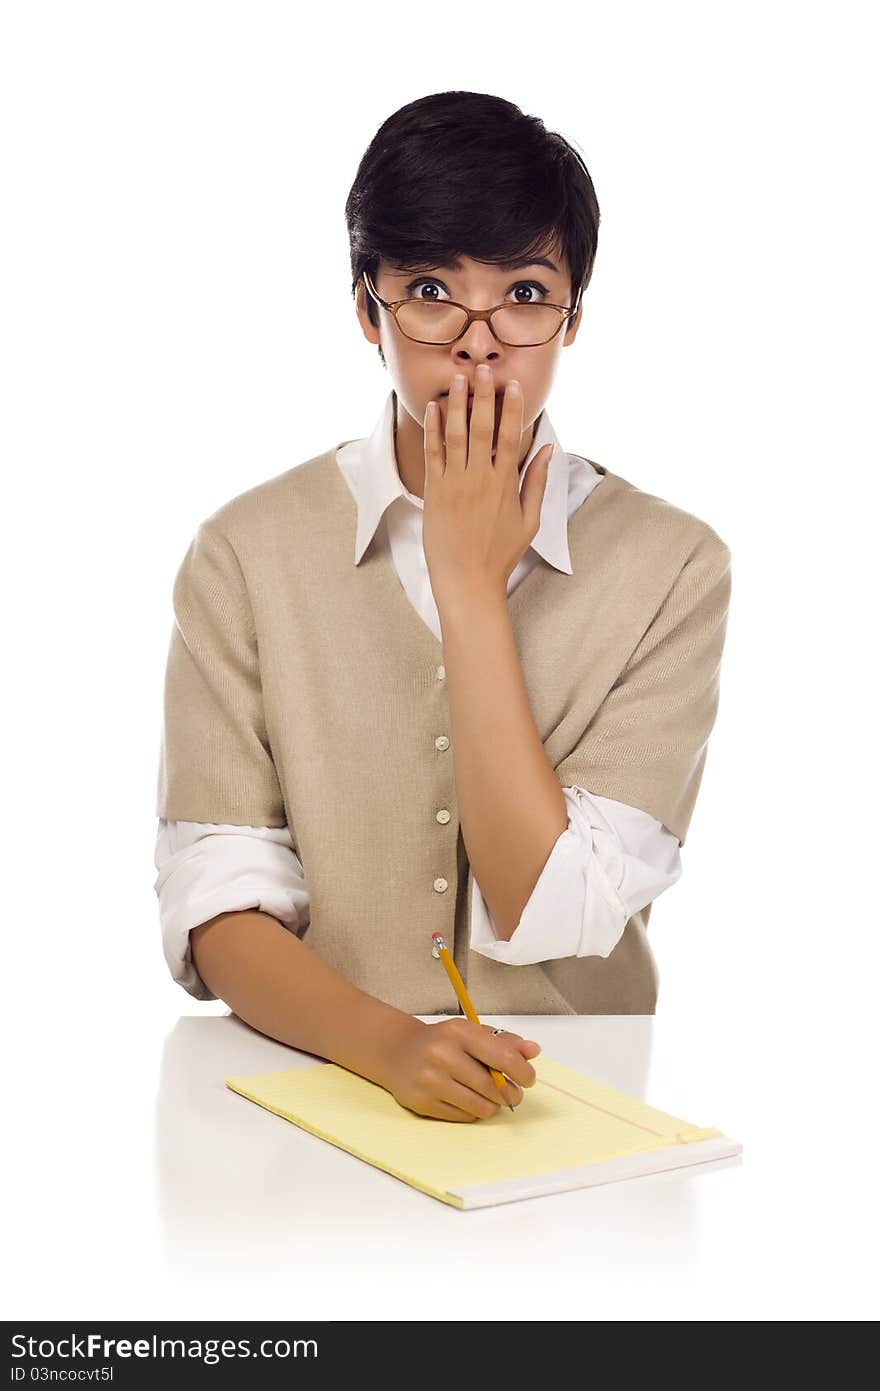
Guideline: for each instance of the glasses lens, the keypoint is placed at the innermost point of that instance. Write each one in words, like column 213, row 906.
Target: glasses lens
column 435, row 321
column 431, row 321
column 521, row 324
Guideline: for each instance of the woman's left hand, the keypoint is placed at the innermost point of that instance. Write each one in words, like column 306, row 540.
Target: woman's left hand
column 477, row 523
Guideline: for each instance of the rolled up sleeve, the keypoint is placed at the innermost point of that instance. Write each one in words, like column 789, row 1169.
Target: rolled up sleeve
column 207, row 868
column 610, row 862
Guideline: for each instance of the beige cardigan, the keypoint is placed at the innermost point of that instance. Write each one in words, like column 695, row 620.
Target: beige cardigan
column 304, row 689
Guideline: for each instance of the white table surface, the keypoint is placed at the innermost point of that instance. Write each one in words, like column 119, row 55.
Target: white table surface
column 149, row 1189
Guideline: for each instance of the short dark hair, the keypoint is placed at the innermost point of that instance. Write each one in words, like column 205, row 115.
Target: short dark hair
column 468, row 174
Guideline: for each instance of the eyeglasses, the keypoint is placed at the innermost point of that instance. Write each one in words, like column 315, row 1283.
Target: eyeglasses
column 444, row 321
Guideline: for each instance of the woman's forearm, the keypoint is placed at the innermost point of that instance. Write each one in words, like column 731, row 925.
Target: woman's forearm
column 277, row 984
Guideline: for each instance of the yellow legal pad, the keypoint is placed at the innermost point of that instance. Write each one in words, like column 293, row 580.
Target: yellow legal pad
column 570, row 1131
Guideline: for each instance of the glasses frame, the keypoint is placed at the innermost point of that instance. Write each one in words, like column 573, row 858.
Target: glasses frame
column 565, row 312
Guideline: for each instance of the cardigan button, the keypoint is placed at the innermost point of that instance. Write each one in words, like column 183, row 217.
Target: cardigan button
column 441, row 673
column 441, row 885
column 443, row 816
column 441, row 742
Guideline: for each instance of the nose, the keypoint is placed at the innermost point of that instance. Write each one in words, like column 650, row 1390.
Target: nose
column 478, row 344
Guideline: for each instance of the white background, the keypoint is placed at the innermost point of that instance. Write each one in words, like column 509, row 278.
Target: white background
column 177, row 326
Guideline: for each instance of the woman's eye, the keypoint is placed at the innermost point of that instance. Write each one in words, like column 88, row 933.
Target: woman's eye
column 530, row 285
column 418, row 284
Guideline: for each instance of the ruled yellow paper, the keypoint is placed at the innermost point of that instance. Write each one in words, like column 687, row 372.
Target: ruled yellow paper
column 565, row 1121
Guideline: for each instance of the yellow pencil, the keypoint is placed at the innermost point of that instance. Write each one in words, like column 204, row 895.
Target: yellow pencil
column 440, row 949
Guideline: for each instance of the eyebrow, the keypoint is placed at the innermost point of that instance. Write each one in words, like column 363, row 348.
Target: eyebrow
column 502, row 265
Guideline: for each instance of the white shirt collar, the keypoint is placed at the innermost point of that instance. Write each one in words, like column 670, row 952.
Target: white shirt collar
column 370, row 469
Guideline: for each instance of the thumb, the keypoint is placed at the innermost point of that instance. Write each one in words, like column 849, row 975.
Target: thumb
column 532, row 494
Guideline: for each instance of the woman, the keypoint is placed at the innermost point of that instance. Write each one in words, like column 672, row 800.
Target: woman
column 447, row 678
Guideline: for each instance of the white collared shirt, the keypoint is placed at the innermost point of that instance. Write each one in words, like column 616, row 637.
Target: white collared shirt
column 611, row 860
